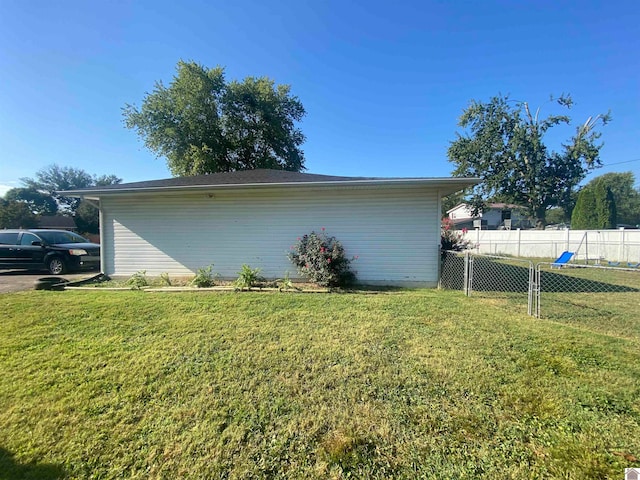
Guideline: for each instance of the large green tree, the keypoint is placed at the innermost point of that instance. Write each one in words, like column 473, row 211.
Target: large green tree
column 39, row 203
column 203, row 124
column 16, row 214
column 503, row 143
column 626, row 196
column 54, row 179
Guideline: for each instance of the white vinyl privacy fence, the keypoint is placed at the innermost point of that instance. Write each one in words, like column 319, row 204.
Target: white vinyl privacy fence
column 595, row 246
column 544, row 289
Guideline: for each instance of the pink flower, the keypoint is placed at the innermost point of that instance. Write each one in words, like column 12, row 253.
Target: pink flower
column 356, row 257
column 299, row 239
column 322, row 229
column 328, row 260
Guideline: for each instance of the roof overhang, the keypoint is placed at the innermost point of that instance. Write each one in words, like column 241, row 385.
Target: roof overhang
column 445, row 186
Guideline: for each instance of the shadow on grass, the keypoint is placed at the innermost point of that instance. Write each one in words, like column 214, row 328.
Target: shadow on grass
column 560, row 282
column 12, row 470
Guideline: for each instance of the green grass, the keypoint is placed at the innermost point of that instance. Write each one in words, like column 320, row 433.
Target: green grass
column 412, row 384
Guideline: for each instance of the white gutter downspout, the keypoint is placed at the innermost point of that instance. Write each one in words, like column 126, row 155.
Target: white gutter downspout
column 102, row 245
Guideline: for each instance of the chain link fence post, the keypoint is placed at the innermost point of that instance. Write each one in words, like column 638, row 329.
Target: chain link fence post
column 466, row 279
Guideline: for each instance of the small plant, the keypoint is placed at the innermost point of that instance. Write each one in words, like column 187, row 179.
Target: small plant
column 138, row 280
column 204, row 277
column 286, row 283
column 164, row 279
column 248, row 277
column 322, row 259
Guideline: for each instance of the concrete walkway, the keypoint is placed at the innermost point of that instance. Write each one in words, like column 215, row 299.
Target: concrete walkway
column 19, row 280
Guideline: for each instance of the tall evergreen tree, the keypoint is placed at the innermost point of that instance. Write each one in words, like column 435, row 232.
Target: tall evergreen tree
column 595, row 208
column 605, row 207
column 584, row 213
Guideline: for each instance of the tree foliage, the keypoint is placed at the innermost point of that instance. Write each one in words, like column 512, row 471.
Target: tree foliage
column 203, row 124
column 626, row 196
column 504, row 145
column 39, row 203
column 16, row 214
column 53, row 179
column 556, row 215
column 453, row 200
column 87, row 218
column 595, row 208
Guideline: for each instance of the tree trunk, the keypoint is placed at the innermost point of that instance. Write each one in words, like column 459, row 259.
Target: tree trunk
column 541, row 220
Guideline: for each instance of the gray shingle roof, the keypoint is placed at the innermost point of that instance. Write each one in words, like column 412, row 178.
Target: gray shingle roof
column 261, row 177
column 235, row 178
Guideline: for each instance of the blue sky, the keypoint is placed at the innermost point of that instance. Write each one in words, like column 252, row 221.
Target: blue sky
column 383, row 83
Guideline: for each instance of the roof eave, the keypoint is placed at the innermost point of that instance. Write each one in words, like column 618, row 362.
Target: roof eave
column 446, row 185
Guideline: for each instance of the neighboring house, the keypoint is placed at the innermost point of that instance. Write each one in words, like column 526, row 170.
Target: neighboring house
column 495, row 216
column 181, row 224
column 57, row 222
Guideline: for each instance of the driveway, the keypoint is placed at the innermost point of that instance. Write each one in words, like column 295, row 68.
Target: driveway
column 19, row 280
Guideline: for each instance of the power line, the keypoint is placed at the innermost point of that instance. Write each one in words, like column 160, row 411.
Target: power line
column 620, row 163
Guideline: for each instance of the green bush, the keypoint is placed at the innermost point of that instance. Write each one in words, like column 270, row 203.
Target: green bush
column 204, row 277
column 248, row 277
column 138, row 279
column 322, row 260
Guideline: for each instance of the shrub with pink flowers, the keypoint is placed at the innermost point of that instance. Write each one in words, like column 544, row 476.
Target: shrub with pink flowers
column 322, row 260
column 451, row 239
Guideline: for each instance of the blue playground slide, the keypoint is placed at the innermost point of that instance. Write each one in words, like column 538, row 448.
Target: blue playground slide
column 563, row 259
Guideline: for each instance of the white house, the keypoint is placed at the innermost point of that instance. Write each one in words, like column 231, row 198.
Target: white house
column 181, row 224
column 496, row 215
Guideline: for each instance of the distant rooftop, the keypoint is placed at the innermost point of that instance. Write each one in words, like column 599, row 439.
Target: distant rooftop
column 57, row 222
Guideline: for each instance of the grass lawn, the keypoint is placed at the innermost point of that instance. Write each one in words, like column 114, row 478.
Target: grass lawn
column 415, row 384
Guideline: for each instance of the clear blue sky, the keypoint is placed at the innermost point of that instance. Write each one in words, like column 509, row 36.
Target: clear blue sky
column 383, row 83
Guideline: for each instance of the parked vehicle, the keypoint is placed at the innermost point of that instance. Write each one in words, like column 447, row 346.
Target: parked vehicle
column 57, row 251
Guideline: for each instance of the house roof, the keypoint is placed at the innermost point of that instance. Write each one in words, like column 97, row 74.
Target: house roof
column 57, row 221
column 490, row 206
column 262, row 178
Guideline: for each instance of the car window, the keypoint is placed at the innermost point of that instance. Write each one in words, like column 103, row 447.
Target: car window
column 8, row 238
column 62, row 237
column 27, row 238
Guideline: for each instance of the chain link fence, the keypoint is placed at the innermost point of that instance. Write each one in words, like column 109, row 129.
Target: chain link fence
column 574, row 291
column 489, row 276
column 568, row 292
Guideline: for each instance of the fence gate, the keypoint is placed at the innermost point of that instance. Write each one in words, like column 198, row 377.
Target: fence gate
column 490, row 276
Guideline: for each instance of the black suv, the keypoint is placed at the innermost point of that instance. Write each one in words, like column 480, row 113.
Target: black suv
column 55, row 250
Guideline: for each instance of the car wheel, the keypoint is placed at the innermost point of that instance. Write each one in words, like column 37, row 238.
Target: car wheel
column 56, row 266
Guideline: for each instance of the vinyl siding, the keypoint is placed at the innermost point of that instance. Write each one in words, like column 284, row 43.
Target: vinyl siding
column 394, row 231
